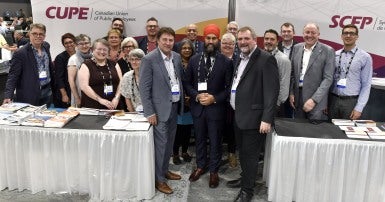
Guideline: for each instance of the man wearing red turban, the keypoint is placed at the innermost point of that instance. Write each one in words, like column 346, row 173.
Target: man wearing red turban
column 207, row 82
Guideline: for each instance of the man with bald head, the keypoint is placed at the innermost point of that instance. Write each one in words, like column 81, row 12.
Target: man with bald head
column 192, row 35
column 312, row 75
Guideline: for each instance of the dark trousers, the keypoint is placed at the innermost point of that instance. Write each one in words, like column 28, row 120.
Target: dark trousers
column 207, row 128
column 249, row 143
column 229, row 137
column 341, row 107
column 182, row 138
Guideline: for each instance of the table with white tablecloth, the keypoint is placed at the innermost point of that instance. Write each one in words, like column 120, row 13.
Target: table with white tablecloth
column 330, row 168
column 108, row 165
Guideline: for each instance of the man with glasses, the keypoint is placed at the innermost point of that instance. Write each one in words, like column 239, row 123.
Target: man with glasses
column 31, row 72
column 312, row 75
column 149, row 42
column 232, row 28
column 352, row 78
column 117, row 23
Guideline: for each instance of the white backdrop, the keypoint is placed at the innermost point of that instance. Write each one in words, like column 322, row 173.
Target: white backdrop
column 368, row 15
column 93, row 17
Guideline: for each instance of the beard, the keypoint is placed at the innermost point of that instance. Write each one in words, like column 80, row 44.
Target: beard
column 211, row 49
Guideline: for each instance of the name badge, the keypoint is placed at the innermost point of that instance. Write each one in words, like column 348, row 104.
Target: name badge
column 233, row 91
column 43, row 75
column 108, row 89
column 341, row 83
column 175, row 89
column 202, row 86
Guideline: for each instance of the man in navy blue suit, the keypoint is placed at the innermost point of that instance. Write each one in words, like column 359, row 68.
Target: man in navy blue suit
column 31, row 72
column 207, row 82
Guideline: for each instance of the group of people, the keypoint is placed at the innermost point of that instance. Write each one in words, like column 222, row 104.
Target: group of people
column 221, row 86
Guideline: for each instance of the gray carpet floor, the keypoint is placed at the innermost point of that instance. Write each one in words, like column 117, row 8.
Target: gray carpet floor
column 184, row 190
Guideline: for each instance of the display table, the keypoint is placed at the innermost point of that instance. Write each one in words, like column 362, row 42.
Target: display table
column 324, row 169
column 108, row 165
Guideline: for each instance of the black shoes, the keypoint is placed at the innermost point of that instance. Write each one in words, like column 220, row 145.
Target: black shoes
column 186, row 157
column 176, row 160
column 243, row 197
column 234, row 183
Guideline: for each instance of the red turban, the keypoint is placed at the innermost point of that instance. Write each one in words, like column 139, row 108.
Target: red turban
column 211, row 29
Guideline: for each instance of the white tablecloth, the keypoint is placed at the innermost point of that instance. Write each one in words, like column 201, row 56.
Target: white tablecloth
column 326, row 170
column 109, row 165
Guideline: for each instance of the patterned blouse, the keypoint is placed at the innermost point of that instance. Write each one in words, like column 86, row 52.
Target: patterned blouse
column 130, row 88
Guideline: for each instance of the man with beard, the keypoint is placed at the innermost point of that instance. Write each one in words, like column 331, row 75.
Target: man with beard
column 254, row 94
column 149, row 42
column 270, row 41
column 207, row 82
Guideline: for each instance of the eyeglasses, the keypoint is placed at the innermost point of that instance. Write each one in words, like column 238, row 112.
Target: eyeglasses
column 83, row 43
column 129, row 46
column 37, row 34
column 191, row 30
column 68, row 43
column 228, row 44
column 186, row 48
column 135, row 59
column 233, row 29
column 102, row 49
column 152, row 26
column 349, row 33
column 117, row 25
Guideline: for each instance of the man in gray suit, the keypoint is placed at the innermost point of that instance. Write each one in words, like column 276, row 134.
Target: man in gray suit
column 160, row 87
column 312, row 75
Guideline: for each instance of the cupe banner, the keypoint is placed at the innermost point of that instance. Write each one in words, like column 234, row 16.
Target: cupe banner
column 329, row 15
column 93, row 17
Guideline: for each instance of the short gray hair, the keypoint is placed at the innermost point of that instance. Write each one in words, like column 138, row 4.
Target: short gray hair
column 129, row 39
column 228, row 36
column 137, row 52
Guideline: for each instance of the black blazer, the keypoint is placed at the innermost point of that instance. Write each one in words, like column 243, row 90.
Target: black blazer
column 257, row 91
column 218, row 85
column 24, row 76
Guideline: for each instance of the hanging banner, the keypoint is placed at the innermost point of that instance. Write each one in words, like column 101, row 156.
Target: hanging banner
column 94, row 17
column 330, row 16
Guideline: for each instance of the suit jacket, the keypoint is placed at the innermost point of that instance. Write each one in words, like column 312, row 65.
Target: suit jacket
column 257, row 91
column 280, row 47
column 142, row 44
column 218, row 84
column 24, row 75
column 318, row 77
column 155, row 87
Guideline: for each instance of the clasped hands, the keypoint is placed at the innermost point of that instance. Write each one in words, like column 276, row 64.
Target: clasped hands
column 205, row 99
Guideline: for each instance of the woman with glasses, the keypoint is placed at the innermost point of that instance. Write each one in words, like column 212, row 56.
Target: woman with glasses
column 62, row 96
column 83, row 52
column 130, row 82
column 127, row 45
column 99, row 79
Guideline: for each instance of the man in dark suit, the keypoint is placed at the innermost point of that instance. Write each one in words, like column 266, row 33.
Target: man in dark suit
column 312, row 75
column 286, row 46
column 161, row 91
column 207, row 82
column 254, row 94
column 287, row 43
column 149, row 42
column 31, row 72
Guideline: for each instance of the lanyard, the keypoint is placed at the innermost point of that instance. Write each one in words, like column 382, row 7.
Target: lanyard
column 101, row 72
column 339, row 70
column 208, row 70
